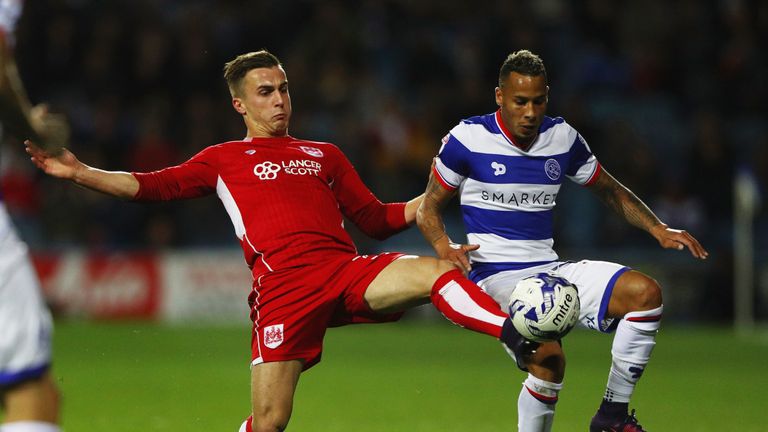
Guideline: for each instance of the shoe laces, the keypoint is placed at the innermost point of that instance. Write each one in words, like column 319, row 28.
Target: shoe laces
column 632, row 421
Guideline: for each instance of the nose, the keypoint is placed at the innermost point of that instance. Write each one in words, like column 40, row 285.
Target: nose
column 278, row 99
column 529, row 112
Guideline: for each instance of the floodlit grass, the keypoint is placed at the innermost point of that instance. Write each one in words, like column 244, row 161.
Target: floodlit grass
column 409, row 376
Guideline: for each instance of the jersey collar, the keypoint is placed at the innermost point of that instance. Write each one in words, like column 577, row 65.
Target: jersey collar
column 508, row 135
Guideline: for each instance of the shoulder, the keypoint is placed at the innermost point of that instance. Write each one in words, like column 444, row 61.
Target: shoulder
column 555, row 136
column 477, row 125
column 216, row 151
column 474, row 130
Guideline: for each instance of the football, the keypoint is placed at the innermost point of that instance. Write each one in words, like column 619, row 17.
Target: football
column 544, row 307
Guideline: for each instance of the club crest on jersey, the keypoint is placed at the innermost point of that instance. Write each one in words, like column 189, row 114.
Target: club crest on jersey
column 552, row 168
column 273, row 336
column 266, row 170
column 316, row 152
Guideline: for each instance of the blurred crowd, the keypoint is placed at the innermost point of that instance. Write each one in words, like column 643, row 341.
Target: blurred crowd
column 671, row 97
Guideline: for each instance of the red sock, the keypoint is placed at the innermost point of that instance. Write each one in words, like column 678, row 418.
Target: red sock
column 248, row 425
column 467, row 305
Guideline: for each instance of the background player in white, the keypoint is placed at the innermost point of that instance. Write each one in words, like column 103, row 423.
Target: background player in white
column 28, row 395
column 507, row 168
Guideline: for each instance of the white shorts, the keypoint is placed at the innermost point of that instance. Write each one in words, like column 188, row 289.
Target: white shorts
column 594, row 279
column 25, row 322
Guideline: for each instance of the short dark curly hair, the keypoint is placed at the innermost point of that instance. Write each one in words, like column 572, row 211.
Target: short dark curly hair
column 235, row 70
column 523, row 62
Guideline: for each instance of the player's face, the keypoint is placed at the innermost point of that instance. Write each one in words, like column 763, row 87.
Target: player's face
column 523, row 103
column 264, row 102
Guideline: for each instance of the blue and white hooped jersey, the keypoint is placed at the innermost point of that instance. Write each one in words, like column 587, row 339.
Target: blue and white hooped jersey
column 508, row 194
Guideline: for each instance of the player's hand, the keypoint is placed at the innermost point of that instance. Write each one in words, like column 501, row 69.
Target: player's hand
column 53, row 129
column 457, row 254
column 62, row 164
column 678, row 239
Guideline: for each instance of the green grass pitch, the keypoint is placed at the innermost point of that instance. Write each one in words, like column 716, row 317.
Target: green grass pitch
column 410, row 376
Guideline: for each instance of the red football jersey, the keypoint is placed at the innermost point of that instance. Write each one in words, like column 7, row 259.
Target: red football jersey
column 285, row 196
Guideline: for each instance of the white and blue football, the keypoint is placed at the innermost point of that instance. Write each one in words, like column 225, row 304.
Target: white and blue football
column 544, row 307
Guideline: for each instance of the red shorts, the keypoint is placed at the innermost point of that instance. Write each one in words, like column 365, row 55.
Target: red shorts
column 293, row 308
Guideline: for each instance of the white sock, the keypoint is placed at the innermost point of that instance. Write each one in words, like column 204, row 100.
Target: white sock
column 29, row 426
column 632, row 345
column 536, row 405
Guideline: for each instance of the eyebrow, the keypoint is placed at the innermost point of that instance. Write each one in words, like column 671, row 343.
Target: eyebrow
column 529, row 98
column 271, row 87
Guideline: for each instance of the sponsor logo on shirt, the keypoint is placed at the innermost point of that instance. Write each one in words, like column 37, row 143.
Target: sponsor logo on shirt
column 499, row 168
column 552, row 169
column 520, row 198
column 273, row 336
column 268, row 170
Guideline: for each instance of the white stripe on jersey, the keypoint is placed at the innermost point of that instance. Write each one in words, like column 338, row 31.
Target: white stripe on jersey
column 494, row 248
column 447, row 174
column 510, row 196
column 477, row 139
column 231, row 206
column 586, row 171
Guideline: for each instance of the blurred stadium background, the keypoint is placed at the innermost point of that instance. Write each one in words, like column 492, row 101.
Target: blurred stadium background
column 671, row 96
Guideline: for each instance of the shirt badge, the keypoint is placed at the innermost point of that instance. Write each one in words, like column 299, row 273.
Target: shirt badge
column 312, row 151
column 273, row 336
column 552, row 169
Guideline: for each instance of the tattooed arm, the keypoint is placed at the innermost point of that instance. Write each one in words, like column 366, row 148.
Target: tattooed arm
column 430, row 223
column 633, row 210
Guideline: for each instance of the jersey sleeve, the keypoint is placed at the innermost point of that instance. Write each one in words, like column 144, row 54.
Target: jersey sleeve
column 376, row 219
column 583, row 166
column 191, row 179
column 451, row 165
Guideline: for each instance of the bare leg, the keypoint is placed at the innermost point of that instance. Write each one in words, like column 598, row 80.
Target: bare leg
column 34, row 400
column 411, row 281
column 273, row 385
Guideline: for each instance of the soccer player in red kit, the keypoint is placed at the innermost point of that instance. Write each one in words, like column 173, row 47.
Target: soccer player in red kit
column 287, row 198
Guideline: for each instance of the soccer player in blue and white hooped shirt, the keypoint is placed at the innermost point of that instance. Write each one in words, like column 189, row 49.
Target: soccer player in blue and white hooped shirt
column 507, row 168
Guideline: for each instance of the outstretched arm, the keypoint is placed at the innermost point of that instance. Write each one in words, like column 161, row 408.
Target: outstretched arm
column 430, row 223
column 18, row 116
column 411, row 207
column 633, row 210
column 63, row 164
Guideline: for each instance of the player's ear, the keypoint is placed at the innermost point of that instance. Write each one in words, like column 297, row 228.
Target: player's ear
column 499, row 98
column 237, row 103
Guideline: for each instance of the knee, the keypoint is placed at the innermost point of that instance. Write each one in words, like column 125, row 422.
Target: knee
column 442, row 267
column 434, row 269
column 648, row 294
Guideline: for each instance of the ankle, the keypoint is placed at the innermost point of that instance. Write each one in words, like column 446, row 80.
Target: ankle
column 614, row 409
